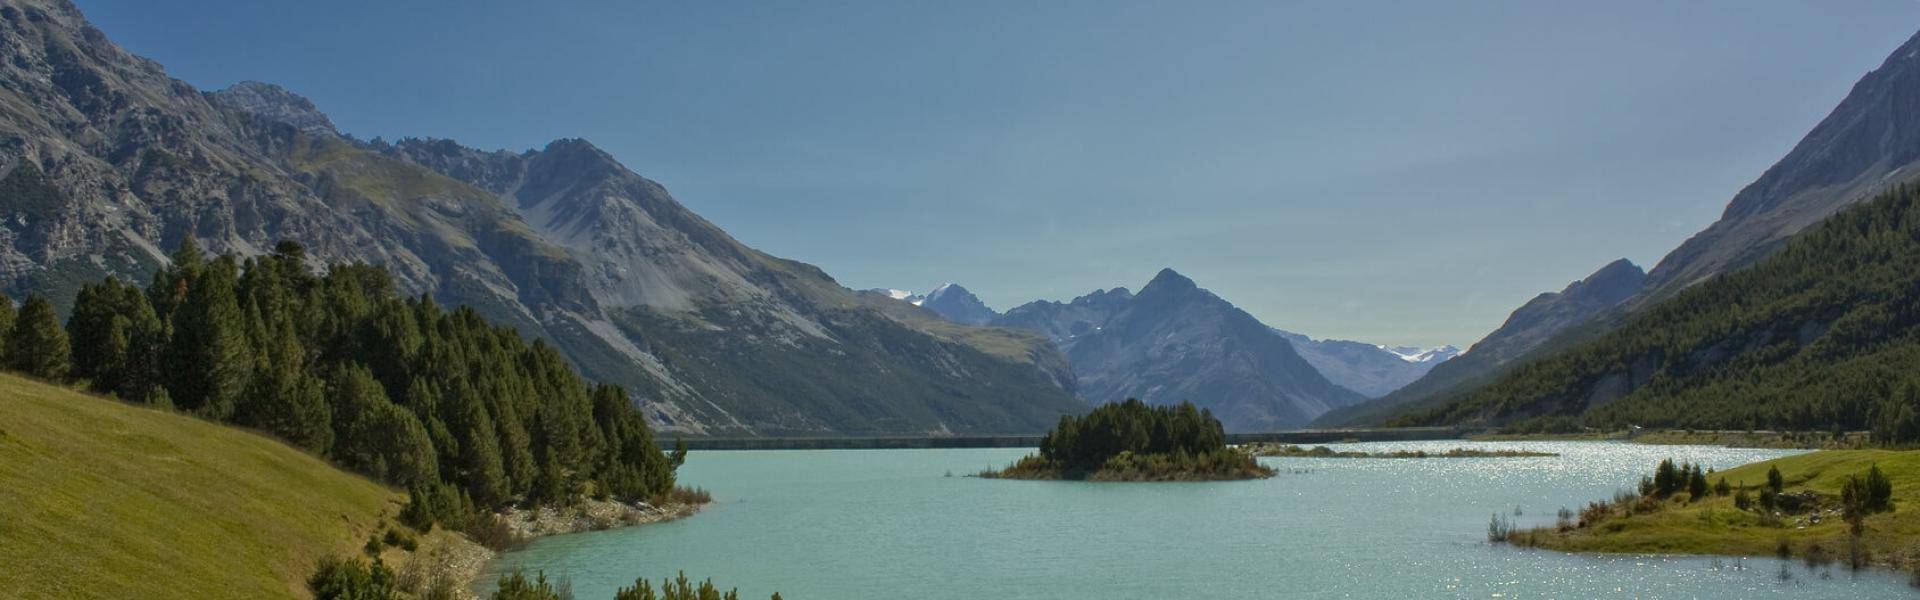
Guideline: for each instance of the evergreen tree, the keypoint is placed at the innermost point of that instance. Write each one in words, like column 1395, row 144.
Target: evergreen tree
column 376, row 436
column 37, row 345
column 8, row 314
column 353, row 579
column 101, row 333
column 516, row 586
column 210, row 362
column 1774, row 481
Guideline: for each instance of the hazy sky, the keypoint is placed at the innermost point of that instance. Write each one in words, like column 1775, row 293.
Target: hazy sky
column 1400, row 173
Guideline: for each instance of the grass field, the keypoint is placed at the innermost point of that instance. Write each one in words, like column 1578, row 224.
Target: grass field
column 100, row 499
column 1714, row 526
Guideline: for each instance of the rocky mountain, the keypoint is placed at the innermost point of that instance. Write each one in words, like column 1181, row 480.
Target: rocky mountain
column 950, row 301
column 1527, row 329
column 1065, row 322
column 117, row 163
column 958, row 305
column 1869, row 143
column 275, row 103
column 1370, row 369
column 1175, row 341
column 1866, row 145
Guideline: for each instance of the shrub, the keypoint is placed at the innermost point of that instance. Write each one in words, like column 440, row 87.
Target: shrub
column 353, row 579
column 678, row 588
column 516, row 586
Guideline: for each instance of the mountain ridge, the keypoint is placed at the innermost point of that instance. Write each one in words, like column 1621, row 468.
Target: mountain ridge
column 563, row 243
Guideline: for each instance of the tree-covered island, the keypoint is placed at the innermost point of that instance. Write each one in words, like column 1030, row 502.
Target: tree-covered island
column 1131, row 441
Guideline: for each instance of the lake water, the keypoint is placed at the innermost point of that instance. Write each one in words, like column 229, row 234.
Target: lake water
column 886, row 524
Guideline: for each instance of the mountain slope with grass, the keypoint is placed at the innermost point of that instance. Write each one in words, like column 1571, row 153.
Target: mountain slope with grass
column 99, row 498
column 1821, row 335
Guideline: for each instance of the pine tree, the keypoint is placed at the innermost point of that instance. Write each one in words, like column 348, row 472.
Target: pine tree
column 8, row 314
column 211, row 363
column 100, row 332
column 37, row 345
column 1774, row 481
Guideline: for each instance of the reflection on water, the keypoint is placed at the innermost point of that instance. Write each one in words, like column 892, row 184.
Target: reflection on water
column 860, row 524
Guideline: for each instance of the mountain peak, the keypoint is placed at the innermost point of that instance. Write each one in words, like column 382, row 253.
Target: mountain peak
column 957, row 304
column 275, row 103
column 1617, row 280
column 1169, row 280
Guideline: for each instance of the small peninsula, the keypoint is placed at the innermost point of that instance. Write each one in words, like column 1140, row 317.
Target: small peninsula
column 1131, row 441
column 1854, row 507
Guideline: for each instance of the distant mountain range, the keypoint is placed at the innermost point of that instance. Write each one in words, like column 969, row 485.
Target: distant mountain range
column 1371, row 370
column 1868, row 144
column 564, row 243
column 1175, row 342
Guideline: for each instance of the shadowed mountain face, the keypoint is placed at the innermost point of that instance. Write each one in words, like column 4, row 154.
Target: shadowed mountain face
column 1869, row 143
column 1174, row 342
column 563, row 243
column 1369, row 369
column 1527, row 329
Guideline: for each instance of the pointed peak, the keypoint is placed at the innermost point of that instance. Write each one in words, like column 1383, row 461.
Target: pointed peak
column 1617, row 274
column 1168, row 279
column 573, row 145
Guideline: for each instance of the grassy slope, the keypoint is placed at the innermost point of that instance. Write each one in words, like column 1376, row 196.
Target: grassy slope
column 101, row 499
column 1714, row 526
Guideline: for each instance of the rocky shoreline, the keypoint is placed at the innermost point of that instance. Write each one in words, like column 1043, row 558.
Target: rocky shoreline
column 464, row 560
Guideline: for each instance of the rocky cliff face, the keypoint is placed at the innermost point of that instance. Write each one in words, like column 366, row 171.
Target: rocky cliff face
column 1175, row 341
column 564, row 243
column 275, row 103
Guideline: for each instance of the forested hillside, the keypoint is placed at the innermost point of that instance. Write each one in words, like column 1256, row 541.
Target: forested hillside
column 1824, row 334
column 465, row 412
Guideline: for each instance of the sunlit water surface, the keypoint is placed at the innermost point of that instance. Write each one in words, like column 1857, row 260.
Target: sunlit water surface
column 874, row 524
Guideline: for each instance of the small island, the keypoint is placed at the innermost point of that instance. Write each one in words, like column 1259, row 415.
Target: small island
column 1290, row 450
column 1131, row 441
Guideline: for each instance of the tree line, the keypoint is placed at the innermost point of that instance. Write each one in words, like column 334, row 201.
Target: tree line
column 1131, row 441
column 467, row 415
column 1087, row 442
column 1822, row 335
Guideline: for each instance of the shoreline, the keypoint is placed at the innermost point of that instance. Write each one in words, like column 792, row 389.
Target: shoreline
column 1777, row 440
column 463, row 561
column 1295, row 451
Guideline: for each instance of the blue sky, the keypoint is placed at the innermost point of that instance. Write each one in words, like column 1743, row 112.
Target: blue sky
column 1402, row 173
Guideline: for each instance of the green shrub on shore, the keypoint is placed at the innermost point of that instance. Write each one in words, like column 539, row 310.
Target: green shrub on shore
column 353, row 579
column 1131, row 441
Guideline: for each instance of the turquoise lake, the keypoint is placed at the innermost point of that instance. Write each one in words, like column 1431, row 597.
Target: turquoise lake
column 886, row 524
